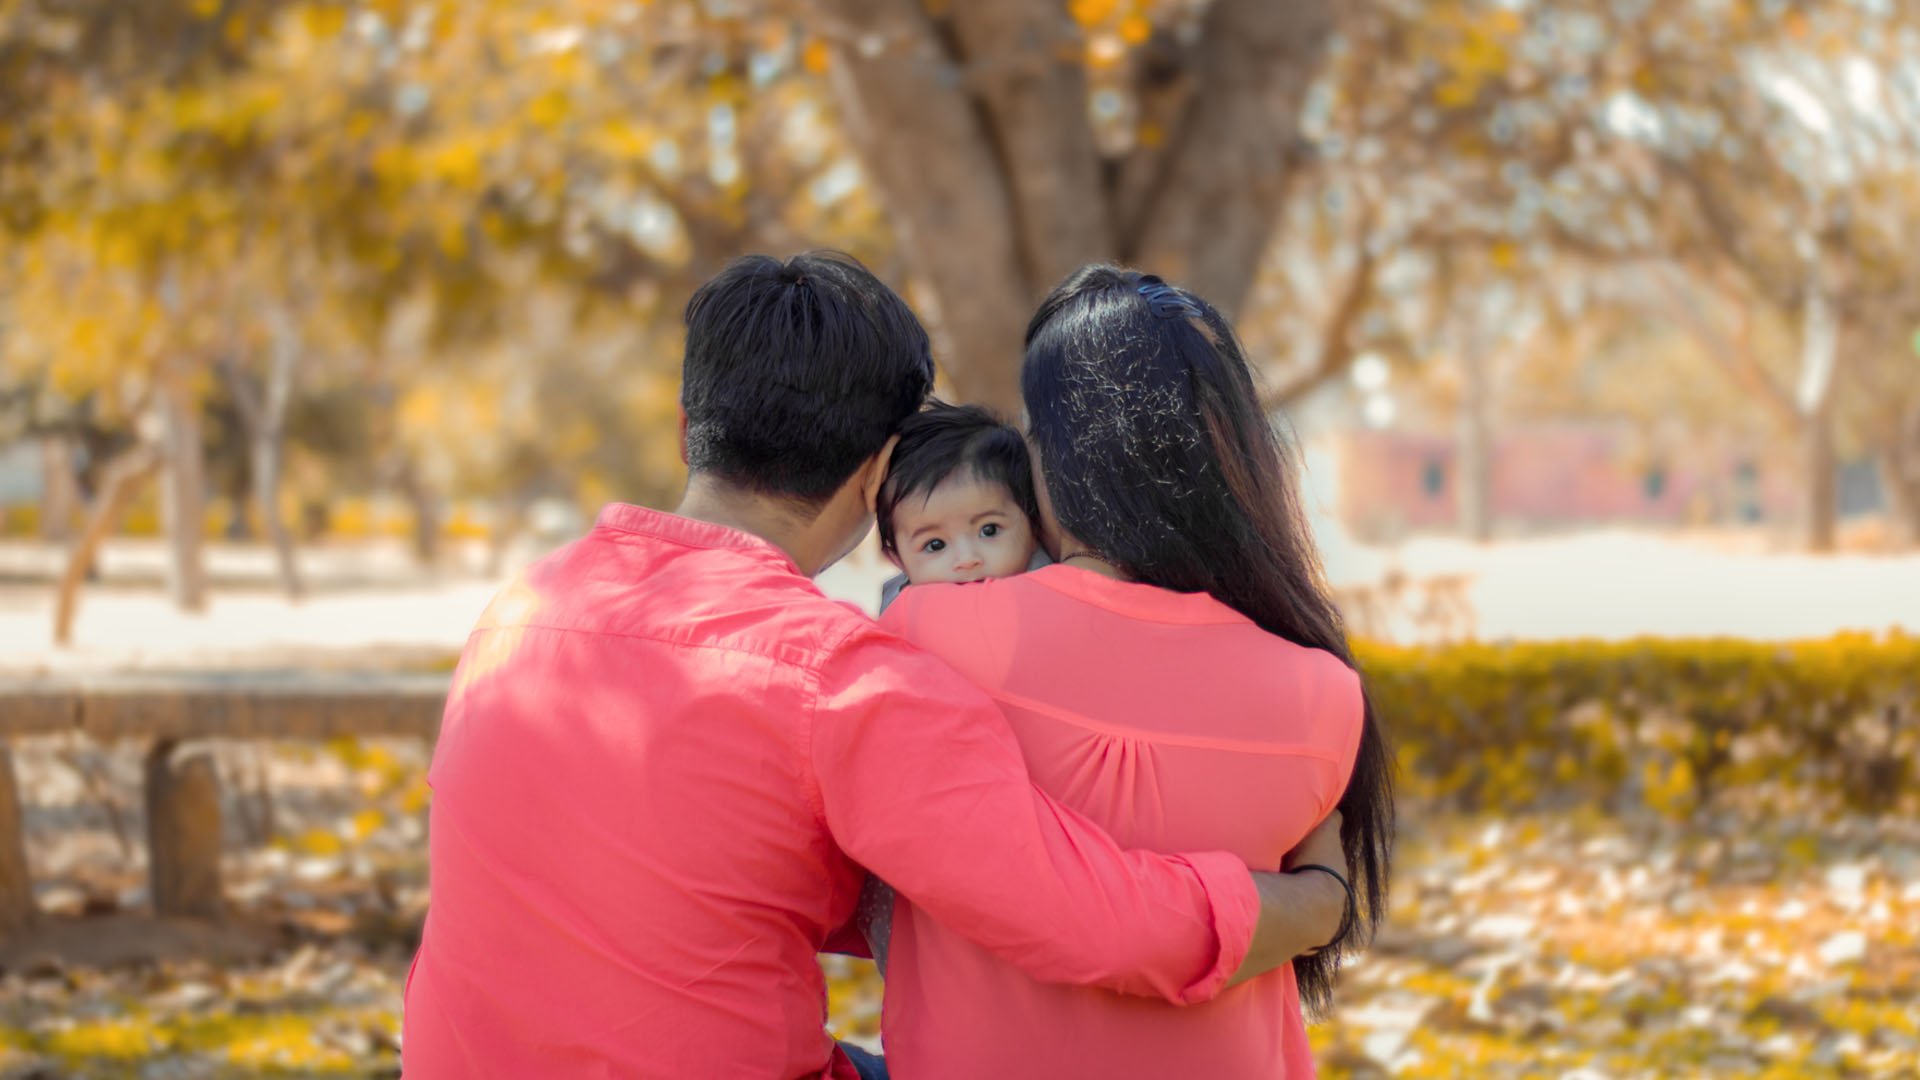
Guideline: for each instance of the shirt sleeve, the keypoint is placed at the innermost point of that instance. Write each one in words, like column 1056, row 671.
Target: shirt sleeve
column 921, row 781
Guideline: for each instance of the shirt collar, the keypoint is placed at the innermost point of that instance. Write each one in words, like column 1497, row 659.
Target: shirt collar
column 674, row 529
column 1149, row 603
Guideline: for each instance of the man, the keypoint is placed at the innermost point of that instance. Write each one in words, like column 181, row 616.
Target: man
column 667, row 758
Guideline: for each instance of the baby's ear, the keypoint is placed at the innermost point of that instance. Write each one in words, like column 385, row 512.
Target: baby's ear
column 894, row 558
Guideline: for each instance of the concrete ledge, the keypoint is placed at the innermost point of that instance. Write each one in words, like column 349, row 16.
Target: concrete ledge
column 182, row 791
column 224, row 705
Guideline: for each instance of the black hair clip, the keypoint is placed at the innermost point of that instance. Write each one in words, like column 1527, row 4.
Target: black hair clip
column 1164, row 300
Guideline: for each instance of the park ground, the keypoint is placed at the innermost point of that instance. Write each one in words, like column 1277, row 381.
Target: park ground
column 1568, row 944
column 373, row 606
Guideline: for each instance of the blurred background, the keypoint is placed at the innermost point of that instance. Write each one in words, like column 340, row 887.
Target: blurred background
column 1594, row 323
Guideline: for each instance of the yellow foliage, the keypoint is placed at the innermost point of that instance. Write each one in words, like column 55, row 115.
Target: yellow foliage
column 815, row 56
column 323, row 20
column 367, row 822
column 463, row 525
column 1486, row 726
column 623, row 140
column 127, row 1038
column 549, row 109
column 320, row 842
column 1091, row 13
column 277, row 1041
column 416, row 796
column 1669, row 790
column 456, row 160
column 453, row 237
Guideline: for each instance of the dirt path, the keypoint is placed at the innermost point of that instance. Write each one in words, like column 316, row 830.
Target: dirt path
column 372, row 608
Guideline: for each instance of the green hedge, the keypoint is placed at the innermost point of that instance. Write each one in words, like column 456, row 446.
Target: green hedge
column 1671, row 725
column 1667, row 725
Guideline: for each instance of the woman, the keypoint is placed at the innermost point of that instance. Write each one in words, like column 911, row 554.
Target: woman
column 1181, row 676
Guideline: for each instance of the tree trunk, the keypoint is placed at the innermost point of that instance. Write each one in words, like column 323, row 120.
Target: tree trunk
column 1820, row 517
column 268, row 433
column 919, row 138
column 426, row 514
column 1227, row 161
column 1476, row 443
column 17, row 909
column 60, row 487
column 1819, row 362
column 1900, row 491
column 507, row 530
column 1034, row 105
column 975, row 130
column 183, row 832
column 267, row 452
column 183, row 497
column 120, row 483
column 1470, row 320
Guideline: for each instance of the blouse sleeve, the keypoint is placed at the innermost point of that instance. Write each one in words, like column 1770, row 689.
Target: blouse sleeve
column 921, row 781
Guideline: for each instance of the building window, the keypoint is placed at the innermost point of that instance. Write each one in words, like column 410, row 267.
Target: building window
column 1746, row 493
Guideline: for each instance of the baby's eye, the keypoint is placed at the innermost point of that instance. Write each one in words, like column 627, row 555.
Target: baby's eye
column 934, row 547
column 990, row 530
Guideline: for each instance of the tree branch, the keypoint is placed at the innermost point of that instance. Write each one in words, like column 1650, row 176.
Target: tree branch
column 1163, row 84
column 1231, row 154
column 1732, row 352
column 1336, row 335
column 908, row 115
column 1036, row 111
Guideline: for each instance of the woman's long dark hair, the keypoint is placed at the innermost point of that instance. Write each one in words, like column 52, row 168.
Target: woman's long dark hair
column 1158, row 458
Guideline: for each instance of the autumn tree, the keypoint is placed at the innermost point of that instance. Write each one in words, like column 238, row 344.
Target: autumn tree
column 1728, row 155
column 1011, row 142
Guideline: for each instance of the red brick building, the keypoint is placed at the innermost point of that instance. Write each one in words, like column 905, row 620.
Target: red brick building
column 1387, row 483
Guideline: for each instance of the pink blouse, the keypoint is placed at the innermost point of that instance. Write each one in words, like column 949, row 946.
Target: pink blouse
column 1175, row 723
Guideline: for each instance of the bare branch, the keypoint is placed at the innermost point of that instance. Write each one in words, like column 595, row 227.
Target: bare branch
column 1731, row 350
column 1336, row 335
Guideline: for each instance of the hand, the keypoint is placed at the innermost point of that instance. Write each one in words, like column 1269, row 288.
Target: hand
column 1298, row 914
column 1322, row 846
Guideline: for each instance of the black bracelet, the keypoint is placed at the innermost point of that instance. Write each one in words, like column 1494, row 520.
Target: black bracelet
column 1353, row 907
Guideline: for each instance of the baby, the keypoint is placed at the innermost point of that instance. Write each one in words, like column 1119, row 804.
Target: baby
column 957, row 505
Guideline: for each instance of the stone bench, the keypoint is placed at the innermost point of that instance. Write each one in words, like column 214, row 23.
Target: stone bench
column 182, row 789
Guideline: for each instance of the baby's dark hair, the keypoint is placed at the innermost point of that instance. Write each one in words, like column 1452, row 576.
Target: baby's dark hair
column 940, row 441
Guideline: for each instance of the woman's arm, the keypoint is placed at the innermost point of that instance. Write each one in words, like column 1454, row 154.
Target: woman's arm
column 1298, row 912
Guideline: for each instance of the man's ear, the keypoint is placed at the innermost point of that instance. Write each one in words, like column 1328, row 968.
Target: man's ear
column 683, row 435
column 877, row 473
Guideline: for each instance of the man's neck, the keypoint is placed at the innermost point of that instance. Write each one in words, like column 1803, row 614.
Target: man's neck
column 763, row 516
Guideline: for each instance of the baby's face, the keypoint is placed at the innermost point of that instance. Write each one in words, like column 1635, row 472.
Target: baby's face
column 966, row 530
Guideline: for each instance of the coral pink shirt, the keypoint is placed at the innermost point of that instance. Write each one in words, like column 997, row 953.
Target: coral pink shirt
column 664, row 761
column 1174, row 722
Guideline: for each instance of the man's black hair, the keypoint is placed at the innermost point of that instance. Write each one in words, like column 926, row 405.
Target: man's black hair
column 798, row 371
column 940, row 442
